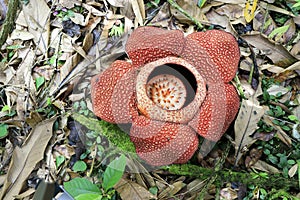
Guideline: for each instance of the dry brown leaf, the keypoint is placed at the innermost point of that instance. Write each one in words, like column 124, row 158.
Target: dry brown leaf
column 246, row 123
column 295, row 66
column 281, row 134
column 117, row 3
column 215, row 18
column 263, row 22
column 272, row 68
column 139, row 11
column 263, row 166
column 277, row 53
column 171, row 190
column 296, row 50
column 37, row 18
column 25, row 158
column 241, row 2
column 275, row 8
column 162, row 18
column 290, row 33
column 293, row 170
column 131, row 190
column 195, row 186
column 228, row 194
column 232, row 11
column 192, row 9
column 21, row 35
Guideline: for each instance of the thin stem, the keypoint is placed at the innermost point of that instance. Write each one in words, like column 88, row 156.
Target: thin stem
column 175, row 5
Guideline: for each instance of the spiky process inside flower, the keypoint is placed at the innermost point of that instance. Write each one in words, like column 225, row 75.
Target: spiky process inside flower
column 167, row 91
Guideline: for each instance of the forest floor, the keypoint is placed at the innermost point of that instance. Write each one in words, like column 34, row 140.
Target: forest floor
column 49, row 134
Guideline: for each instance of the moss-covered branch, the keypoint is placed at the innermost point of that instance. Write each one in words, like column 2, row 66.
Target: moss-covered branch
column 9, row 20
column 122, row 140
column 111, row 131
column 276, row 181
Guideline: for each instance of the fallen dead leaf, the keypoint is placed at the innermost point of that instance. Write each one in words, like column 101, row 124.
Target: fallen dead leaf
column 37, row 18
column 293, row 170
column 276, row 52
column 131, row 190
column 263, row 166
column 246, row 123
column 25, row 158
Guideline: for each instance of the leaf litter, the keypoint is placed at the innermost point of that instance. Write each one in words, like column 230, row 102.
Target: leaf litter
column 68, row 42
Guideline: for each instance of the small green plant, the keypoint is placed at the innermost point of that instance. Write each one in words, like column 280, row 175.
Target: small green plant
column 153, row 4
column 7, row 111
column 256, row 193
column 82, row 189
column 39, row 81
column 3, row 130
column 81, row 107
column 64, row 14
column 279, row 31
column 117, row 29
column 296, row 5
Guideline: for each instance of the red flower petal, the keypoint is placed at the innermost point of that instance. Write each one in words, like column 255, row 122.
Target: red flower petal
column 163, row 143
column 213, row 118
column 148, row 44
column 221, row 47
column 232, row 105
column 112, row 93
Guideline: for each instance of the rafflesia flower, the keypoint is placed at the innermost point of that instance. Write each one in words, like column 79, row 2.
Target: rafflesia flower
column 173, row 89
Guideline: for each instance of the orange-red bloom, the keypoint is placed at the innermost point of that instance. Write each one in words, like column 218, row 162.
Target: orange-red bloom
column 174, row 88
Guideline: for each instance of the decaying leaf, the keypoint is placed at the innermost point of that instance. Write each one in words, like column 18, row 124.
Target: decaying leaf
column 131, row 190
column 293, row 170
column 171, row 190
column 37, row 18
column 246, row 123
column 280, row 133
column 263, row 166
column 276, row 52
column 25, row 158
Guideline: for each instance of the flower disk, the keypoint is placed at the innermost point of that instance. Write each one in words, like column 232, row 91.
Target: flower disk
column 167, row 91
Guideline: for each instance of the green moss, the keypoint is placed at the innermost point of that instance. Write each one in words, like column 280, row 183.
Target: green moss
column 225, row 175
column 111, row 131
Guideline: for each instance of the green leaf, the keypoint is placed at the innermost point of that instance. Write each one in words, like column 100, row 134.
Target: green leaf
column 296, row 5
column 279, row 31
column 113, row 173
column 3, row 130
column 5, row 108
column 79, row 166
column 59, row 160
column 201, row 3
column 153, row 190
column 89, row 196
column 293, row 118
column 39, row 81
column 79, row 186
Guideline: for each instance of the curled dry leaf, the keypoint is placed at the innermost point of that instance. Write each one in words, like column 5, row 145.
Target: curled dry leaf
column 171, row 190
column 131, row 190
column 246, row 123
column 276, row 52
column 283, row 136
column 193, row 10
column 25, row 158
column 263, row 166
column 37, row 18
